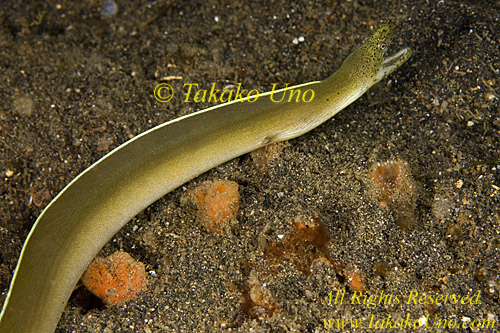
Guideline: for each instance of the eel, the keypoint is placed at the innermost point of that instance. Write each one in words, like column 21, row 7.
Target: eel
column 79, row 221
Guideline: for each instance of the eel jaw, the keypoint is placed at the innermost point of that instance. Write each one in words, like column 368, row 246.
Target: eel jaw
column 390, row 64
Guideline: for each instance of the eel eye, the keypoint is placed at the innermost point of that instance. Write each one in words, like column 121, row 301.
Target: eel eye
column 382, row 46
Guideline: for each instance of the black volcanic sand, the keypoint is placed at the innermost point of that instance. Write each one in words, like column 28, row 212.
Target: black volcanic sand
column 76, row 84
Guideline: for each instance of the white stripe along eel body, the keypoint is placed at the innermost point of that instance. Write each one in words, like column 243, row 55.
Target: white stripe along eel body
column 79, row 221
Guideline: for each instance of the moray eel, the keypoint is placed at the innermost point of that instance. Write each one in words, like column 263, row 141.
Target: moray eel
column 79, row 221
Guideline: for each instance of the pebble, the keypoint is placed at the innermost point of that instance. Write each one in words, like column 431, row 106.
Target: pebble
column 109, row 8
column 298, row 40
column 24, row 105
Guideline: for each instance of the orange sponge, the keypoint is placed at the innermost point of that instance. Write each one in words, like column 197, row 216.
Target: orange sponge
column 115, row 279
column 217, row 203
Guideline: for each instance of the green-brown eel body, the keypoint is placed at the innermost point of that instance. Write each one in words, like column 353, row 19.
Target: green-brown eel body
column 96, row 204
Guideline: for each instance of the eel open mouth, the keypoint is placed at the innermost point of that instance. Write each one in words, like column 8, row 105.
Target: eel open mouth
column 391, row 63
